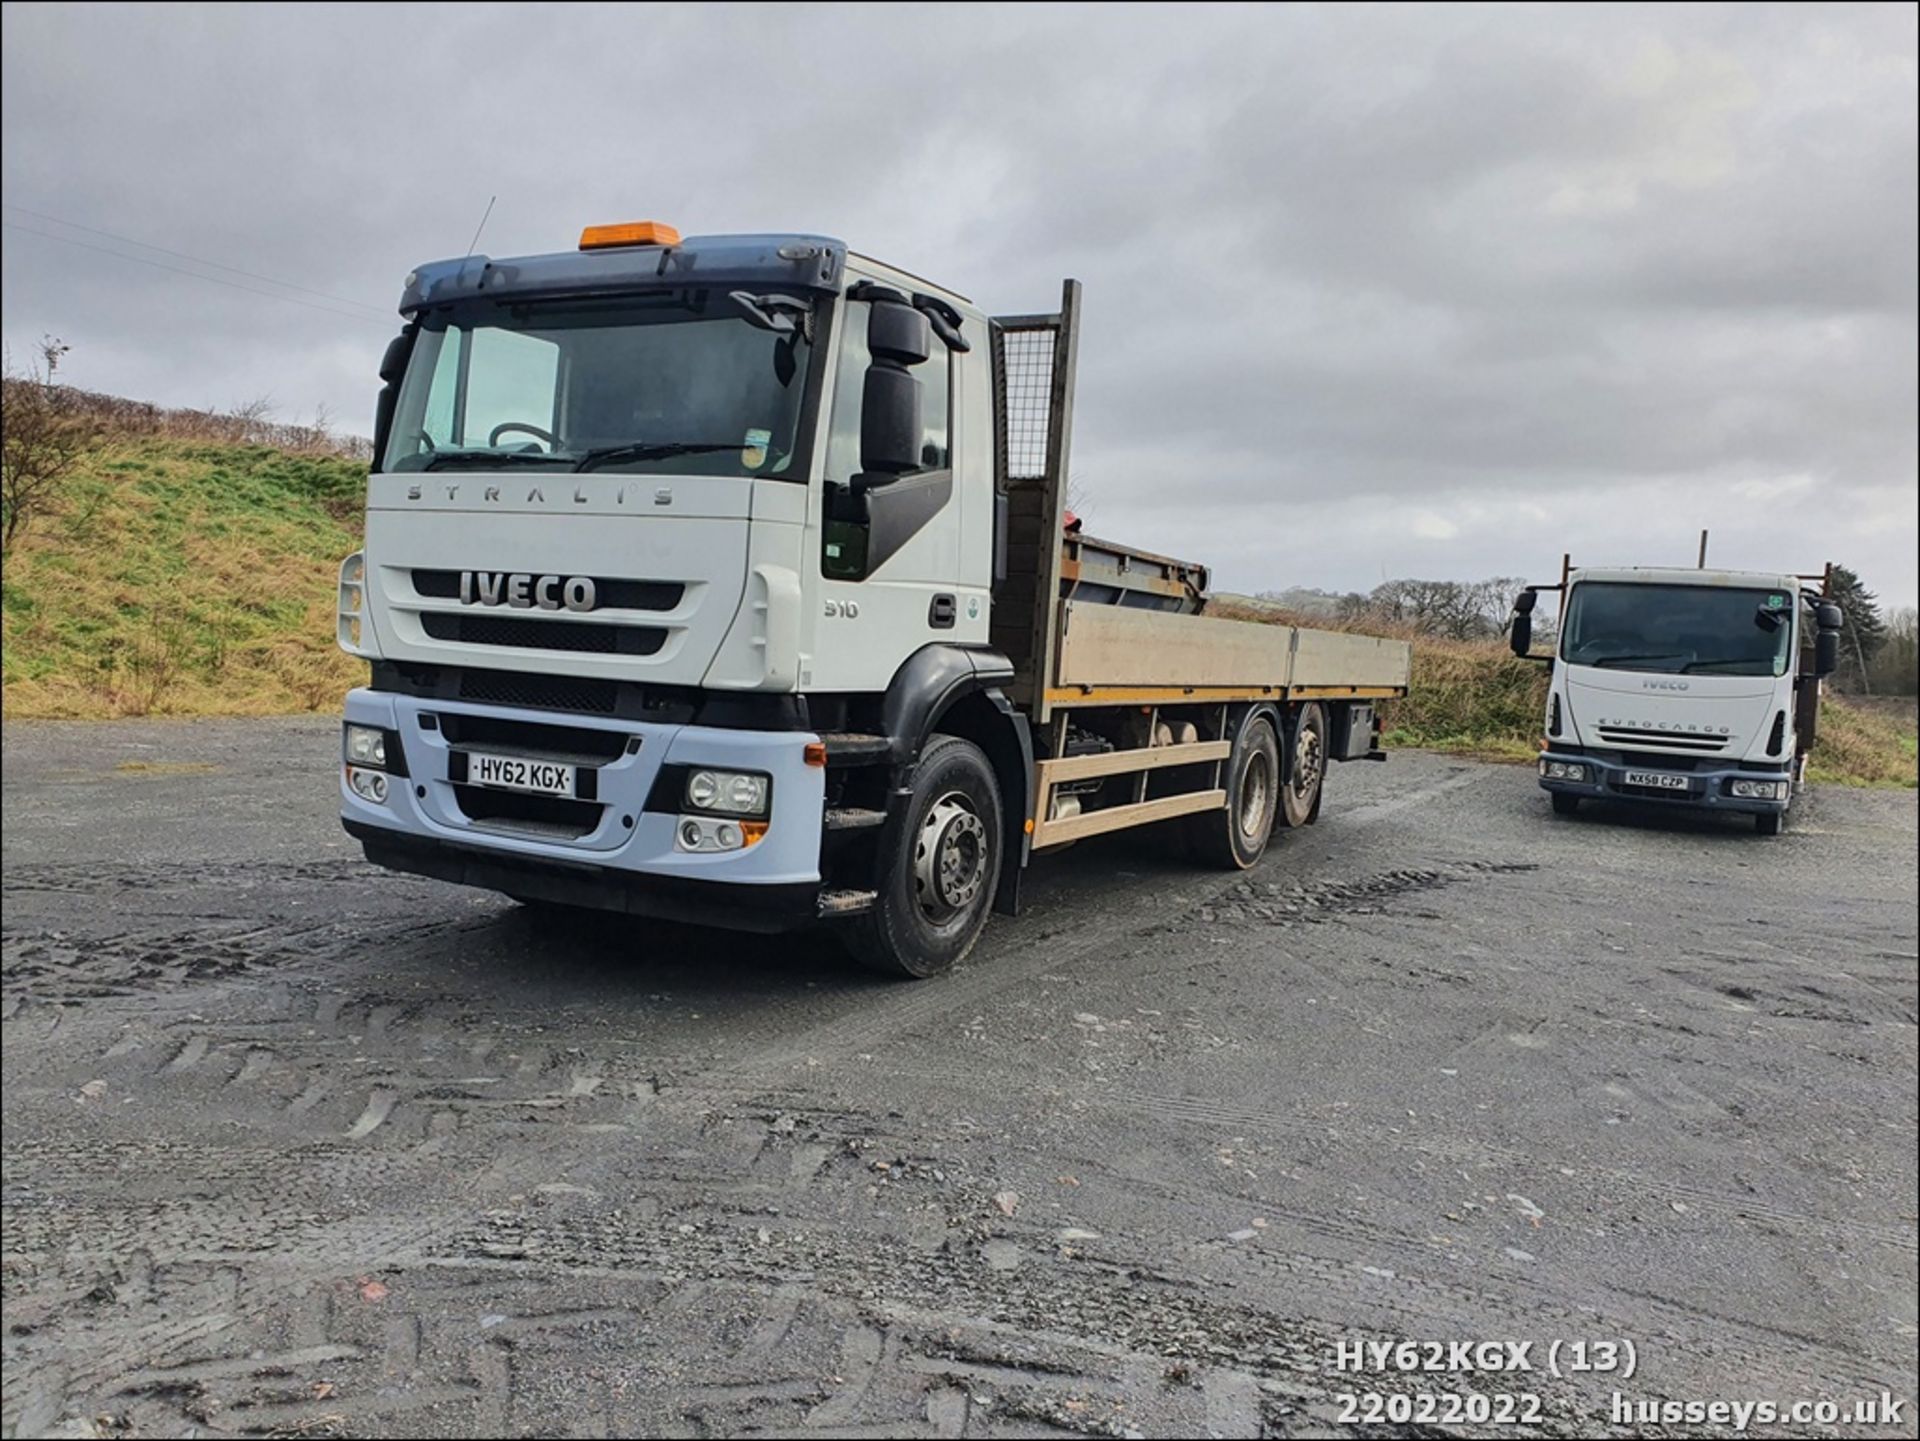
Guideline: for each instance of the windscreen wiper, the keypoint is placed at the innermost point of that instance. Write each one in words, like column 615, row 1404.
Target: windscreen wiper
column 1694, row 665
column 654, row 450
column 1607, row 660
column 494, row 457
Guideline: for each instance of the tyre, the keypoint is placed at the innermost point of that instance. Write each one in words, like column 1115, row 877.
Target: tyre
column 1564, row 804
column 938, row 868
column 1306, row 770
column 1234, row 838
column 1770, row 823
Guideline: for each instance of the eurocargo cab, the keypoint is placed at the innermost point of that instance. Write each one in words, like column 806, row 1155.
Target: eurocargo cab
column 1682, row 687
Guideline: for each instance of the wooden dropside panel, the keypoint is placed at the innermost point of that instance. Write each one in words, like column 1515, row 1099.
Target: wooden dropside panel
column 1333, row 659
column 1105, row 645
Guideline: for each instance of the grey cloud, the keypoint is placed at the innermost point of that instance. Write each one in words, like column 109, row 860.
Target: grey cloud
column 1369, row 291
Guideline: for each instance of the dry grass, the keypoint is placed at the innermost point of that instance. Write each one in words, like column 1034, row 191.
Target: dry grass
column 1865, row 745
column 183, row 578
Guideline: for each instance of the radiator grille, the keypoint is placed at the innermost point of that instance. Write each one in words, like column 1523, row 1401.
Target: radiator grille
column 577, row 745
column 573, row 635
column 541, row 692
column 1695, row 741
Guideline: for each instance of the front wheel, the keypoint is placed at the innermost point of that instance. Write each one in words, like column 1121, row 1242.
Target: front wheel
column 939, row 866
column 1769, row 823
column 1564, row 804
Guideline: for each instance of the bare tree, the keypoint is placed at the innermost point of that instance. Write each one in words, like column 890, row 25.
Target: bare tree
column 1459, row 609
column 41, row 440
column 51, row 348
column 253, row 416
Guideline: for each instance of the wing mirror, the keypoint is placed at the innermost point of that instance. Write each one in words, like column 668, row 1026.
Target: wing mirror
column 898, row 337
column 1520, row 632
column 1826, row 641
column 393, row 366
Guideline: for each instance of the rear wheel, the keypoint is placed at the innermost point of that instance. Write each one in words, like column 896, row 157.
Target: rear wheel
column 1234, row 838
column 1306, row 768
column 1564, row 804
column 939, row 866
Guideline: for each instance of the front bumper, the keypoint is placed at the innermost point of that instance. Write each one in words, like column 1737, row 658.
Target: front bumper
column 666, row 898
column 623, row 857
column 1713, row 789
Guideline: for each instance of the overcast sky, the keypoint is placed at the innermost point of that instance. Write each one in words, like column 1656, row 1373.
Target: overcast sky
column 1370, row 292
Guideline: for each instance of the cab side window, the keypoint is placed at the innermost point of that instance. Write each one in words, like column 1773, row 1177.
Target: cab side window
column 935, row 375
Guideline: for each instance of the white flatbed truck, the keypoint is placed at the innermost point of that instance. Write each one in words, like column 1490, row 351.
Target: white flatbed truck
column 1683, row 688
column 725, row 579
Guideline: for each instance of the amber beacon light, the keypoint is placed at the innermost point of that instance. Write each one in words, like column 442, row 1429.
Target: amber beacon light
column 637, row 232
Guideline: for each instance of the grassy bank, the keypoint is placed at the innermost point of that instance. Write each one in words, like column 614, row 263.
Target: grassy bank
column 183, row 578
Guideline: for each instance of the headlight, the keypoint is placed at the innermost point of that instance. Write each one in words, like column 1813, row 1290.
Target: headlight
column 1758, row 790
column 367, row 745
column 1563, row 771
column 734, row 793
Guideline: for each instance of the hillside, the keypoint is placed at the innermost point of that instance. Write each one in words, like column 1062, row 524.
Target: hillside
column 183, row 578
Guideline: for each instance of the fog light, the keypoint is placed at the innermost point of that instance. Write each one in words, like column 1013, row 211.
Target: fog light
column 367, row 746
column 704, row 835
column 368, row 785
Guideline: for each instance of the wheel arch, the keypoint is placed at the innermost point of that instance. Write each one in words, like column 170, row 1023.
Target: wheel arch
column 957, row 690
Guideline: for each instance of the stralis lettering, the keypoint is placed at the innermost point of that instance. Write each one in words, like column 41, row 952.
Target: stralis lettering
column 524, row 592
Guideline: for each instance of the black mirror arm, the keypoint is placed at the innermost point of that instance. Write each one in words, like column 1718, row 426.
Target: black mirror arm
column 782, row 314
column 944, row 319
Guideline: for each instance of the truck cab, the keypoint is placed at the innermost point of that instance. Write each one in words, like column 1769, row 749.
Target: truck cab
column 1682, row 687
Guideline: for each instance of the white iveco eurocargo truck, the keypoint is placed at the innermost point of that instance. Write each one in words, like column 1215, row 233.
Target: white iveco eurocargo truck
column 1683, row 687
column 727, row 579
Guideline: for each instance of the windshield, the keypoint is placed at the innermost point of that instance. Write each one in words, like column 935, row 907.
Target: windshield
column 677, row 382
column 1678, row 629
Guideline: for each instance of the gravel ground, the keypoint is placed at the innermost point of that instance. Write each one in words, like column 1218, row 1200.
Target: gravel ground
column 295, row 1147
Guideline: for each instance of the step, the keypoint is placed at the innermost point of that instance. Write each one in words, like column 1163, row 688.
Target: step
column 846, row 748
column 846, row 903
column 853, row 818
